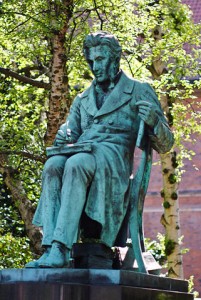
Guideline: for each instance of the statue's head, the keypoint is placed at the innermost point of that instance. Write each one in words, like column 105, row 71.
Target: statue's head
column 102, row 52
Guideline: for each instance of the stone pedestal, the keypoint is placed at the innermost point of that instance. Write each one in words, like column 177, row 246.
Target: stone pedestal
column 88, row 284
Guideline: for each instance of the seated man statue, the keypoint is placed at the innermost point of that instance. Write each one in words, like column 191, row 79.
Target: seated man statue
column 95, row 183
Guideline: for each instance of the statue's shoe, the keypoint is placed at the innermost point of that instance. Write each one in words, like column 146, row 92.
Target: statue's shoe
column 41, row 260
column 57, row 256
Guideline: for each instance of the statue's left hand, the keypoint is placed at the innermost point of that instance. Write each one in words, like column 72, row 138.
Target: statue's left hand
column 147, row 112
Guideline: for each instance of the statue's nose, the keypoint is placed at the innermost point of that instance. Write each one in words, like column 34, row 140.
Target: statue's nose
column 95, row 66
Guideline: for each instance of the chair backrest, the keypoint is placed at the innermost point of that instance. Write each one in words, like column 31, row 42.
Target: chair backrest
column 139, row 185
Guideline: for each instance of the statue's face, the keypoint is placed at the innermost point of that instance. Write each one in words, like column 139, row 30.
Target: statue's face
column 100, row 62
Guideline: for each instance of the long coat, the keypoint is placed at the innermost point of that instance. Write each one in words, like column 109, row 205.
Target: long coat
column 112, row 130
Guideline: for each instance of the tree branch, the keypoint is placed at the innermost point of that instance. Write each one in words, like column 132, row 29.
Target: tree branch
column 71, row 36
column 24, row 79
column 40, row 68
column 129, row 65
column 99, row 16
column 24, row 154
column 34, row 18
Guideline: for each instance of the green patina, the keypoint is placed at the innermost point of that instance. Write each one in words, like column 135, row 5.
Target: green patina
column 90, row 189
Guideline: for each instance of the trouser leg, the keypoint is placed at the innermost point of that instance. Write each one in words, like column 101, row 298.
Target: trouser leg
column 78, row 174
column 50, row 200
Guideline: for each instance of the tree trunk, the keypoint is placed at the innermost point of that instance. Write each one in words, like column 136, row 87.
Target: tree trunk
column 58, row 98
column 170, row 219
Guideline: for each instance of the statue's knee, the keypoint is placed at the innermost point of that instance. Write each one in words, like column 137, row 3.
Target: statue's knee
column 74, row 163
column 54, row 165
column 81, row 162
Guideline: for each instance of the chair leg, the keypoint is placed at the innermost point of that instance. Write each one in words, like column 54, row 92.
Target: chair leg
column 136, row 242
column 138, row 255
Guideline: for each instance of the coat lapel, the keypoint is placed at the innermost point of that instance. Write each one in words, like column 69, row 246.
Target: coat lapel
column 89, row 100
column 121, row 93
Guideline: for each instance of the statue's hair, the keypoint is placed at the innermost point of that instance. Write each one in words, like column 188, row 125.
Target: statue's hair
column 102, row 38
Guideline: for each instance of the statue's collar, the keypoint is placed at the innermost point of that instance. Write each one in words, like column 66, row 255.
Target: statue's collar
column 120, row 94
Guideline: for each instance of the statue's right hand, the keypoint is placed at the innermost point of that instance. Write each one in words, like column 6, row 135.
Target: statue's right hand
column 61, row 136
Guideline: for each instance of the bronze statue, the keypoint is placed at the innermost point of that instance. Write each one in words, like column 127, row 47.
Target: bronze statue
column 91, row 184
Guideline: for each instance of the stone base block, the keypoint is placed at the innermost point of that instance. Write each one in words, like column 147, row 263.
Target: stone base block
column 91, row 284
column 92, row 256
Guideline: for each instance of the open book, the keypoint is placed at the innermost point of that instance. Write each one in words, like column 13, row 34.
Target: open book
column 68, row 149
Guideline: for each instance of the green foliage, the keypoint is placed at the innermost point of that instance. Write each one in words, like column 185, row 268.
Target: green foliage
column 191, row 287
column 14, row 251
column 162, row 247
column 14, row 245
column 10, row 220
column 157, row 249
